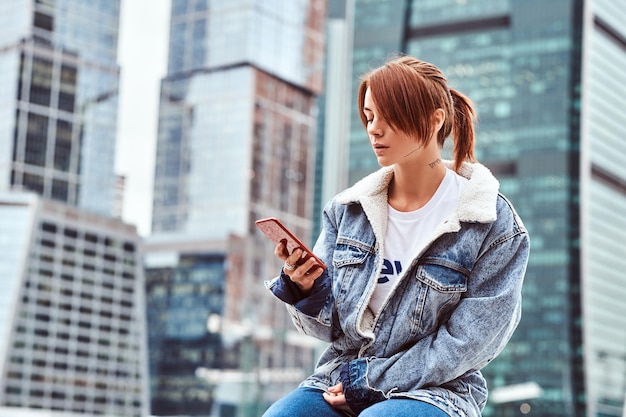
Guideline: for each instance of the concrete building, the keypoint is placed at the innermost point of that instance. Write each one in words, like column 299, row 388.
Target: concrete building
column 71, row 312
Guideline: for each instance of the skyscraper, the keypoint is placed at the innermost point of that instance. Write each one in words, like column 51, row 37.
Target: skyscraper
column 335, row 108
column 235, row 144
column 71, row 305
column 548, row 82
column 184, row 289
column 58, row 100
column 237, row 71
column 71, row 312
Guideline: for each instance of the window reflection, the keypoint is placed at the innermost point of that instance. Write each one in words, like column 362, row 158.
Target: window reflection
column 63, row 145
column 67, row 88
column 36, row 140
column 41, row 82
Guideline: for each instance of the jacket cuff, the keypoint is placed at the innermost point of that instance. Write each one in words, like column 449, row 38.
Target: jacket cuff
column 315, row 301
column 359, row 395
column 286, row 290
column 310, row 304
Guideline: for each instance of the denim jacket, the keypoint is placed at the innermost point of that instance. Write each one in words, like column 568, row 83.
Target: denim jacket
column 445, row 319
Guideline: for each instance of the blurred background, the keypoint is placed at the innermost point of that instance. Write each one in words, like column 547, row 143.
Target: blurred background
column 140, row 140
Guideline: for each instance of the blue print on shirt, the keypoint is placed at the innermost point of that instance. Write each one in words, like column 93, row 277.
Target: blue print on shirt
column 388, row 269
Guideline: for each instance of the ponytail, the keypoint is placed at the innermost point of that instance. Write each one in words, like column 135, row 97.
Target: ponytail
column 463, row 129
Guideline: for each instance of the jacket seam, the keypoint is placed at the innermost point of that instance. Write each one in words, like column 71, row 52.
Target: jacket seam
column 505, row 238
column 441, row 262
column 355, row 243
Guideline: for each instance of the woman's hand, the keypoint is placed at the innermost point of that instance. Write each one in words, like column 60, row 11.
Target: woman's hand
column 336, row 399
column 302, row 274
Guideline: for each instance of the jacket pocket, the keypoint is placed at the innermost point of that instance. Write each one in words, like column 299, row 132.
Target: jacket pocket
column 348, row 259
column 440, row 288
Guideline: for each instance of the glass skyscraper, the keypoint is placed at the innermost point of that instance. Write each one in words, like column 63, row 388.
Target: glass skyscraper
column 59, row 83
column 236, row 142
column 242, row 78
column 71, row 283
column 331, row 160
column 548, row 82
column 184, row 291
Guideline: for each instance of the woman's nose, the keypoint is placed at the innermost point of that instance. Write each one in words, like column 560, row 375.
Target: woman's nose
column 373, row 128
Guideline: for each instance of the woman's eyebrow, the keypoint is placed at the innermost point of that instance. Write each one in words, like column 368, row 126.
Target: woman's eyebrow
column 366, row 109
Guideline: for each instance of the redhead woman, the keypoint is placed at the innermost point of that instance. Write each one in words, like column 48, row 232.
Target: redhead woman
column 425, row 263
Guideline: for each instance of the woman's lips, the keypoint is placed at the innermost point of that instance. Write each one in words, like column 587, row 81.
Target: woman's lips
column 379, row 149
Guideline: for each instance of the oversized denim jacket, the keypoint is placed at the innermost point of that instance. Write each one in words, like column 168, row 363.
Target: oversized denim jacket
column 449, row 316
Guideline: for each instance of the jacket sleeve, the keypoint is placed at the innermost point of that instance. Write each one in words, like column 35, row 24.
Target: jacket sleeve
column 287, row 291
column 461, row 344
column 312, row 314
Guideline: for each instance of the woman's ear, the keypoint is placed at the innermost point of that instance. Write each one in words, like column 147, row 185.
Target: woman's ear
column 439, row 116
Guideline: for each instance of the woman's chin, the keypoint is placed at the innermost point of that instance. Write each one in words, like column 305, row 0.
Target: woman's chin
column 384, row 162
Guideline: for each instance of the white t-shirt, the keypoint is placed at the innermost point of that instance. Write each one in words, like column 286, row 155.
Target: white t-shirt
column 408, row 232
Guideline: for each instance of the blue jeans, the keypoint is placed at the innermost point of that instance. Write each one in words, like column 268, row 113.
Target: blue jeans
column 307, row 402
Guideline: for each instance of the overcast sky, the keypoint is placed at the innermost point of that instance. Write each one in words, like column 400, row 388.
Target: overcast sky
column 142, row 55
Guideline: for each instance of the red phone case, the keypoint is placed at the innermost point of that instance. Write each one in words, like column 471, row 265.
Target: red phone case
column 277, row 232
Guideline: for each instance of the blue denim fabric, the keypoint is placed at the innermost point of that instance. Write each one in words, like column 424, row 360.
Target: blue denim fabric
column 307, row 402
column 303, row 402
column 399, row 407
column 289, row 292
column 451, row 314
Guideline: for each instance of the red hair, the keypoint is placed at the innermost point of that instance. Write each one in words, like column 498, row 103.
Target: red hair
column 407, row 92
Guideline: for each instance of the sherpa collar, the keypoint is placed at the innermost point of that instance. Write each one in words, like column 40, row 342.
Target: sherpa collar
column 477, row 203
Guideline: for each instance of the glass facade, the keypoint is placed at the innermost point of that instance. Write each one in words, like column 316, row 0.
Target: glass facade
column 217, row 139
column 58, row 93
column 71, row 300
column 179, row 300
column 204, row 153
column 378, row 32
column 239, row 72
column 335, row 106
column 518, row 70
column 71, row 312
column 522, row 64
column 235, row 143
column 284, row 38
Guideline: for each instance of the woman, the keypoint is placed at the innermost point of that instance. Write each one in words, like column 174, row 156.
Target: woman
column 425, row 262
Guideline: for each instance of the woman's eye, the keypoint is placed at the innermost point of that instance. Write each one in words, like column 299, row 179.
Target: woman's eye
column 369, row 120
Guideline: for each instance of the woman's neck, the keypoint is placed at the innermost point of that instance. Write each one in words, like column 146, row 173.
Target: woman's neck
column 414, row 184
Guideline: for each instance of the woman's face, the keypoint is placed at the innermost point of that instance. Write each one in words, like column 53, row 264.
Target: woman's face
column 390, row 146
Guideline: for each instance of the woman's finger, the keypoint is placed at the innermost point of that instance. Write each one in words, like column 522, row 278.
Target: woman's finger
column 334, row 399
column 336, row 389
column 294, row 257
column 281, row 251
column 304, row 276
column 337, row 401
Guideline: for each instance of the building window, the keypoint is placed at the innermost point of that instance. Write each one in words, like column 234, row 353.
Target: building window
column 63, row 146
column 34, row 183
column 43, row 21
column 67, row 88
column 59, row 190
column 41, row 82
column 36, row 140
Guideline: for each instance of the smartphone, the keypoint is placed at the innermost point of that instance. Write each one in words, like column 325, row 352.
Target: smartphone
column 277, row 232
